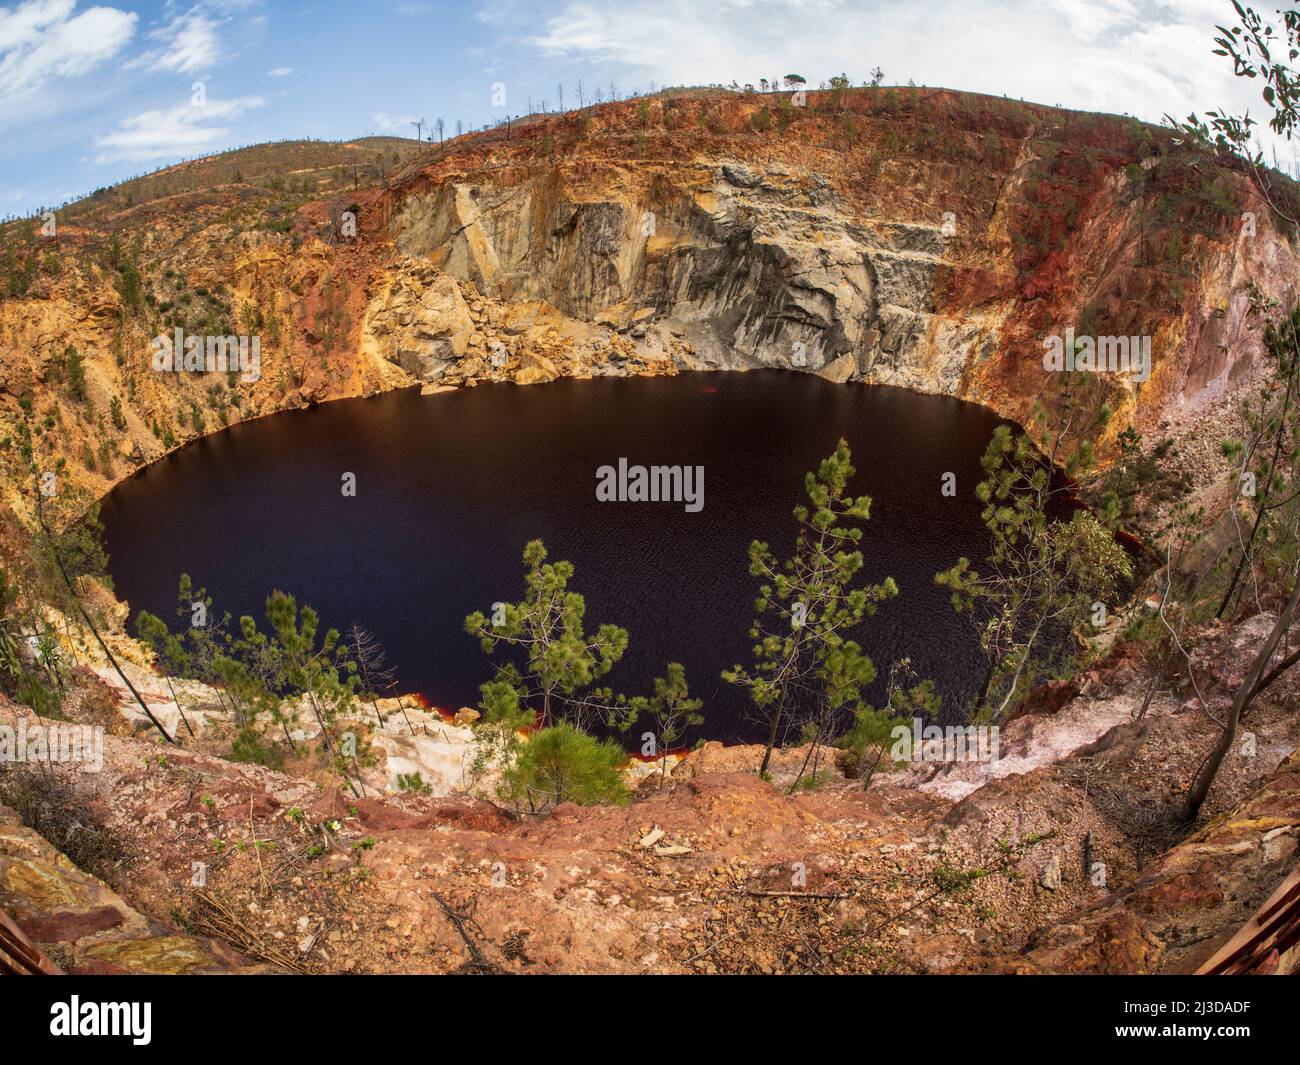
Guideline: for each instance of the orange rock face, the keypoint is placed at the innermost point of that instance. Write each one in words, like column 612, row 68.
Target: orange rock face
column 921, row 237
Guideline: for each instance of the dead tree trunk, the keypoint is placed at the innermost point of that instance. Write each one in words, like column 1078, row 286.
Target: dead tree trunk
column 1210, row 767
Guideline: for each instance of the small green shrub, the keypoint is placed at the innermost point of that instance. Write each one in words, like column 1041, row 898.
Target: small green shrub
column 563, row 764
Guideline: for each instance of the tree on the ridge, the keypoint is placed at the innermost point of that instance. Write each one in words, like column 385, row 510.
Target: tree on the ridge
column 75, row 370
column 170, row 653
column 244, row 669
column 564, row 764
column 1043, row 577
column 312, row 665
column 372, row 669
column 670, row 711
column 205, row 633
column 374, row 674
column 872, row 732
column 840, row 86
column 559, row 659
column 253, row 697
column 806, row 670
column 546, row 665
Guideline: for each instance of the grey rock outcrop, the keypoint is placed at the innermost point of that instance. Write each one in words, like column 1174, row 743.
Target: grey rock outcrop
column 748, row 268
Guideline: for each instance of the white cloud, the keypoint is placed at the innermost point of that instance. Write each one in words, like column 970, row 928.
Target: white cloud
column 187, row 42
column 279, row 72
column 173, row 133
column 42, row 39
column 1092, row 20
column 1143, row 57
column 384, row 120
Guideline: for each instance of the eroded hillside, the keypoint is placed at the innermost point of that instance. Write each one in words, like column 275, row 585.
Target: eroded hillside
column 905, row 236
column 936, row 868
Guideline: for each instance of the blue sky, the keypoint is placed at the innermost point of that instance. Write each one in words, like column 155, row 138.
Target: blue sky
column 91, row 93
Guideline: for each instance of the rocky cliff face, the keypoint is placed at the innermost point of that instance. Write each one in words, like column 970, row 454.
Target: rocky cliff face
column 749, row 266
column 942, row 269
column 913, row 237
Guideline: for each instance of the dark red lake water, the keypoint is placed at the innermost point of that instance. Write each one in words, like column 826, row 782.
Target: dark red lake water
column 450, row 488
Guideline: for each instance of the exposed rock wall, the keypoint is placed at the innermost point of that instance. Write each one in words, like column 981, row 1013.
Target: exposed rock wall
column 927, row 239
column 936, row 277
column 753, row 267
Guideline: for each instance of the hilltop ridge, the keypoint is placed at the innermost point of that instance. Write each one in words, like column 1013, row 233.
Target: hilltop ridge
column 920, row 237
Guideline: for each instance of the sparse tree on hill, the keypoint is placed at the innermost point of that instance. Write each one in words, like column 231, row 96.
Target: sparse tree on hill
column 170, row 653
column 372, row 670
column 806, row 669
column 75, row 369
column 1043, row 576
column 840, row 86
column 312, row 666
column 907, row 698
column 563, row 764
column 560, row 659
column 669, row 712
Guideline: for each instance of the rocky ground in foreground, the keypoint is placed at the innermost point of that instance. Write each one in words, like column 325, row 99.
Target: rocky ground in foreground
column 974, row 868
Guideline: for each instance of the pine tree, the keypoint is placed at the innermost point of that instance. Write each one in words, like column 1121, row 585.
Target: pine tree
column 564, row 764
column 313, row 664
column 1043, row 576
column 670, row 711
column 560, row 659
column 169, row 652
column 872, row 733
column 75, row 368
column 806, row 670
